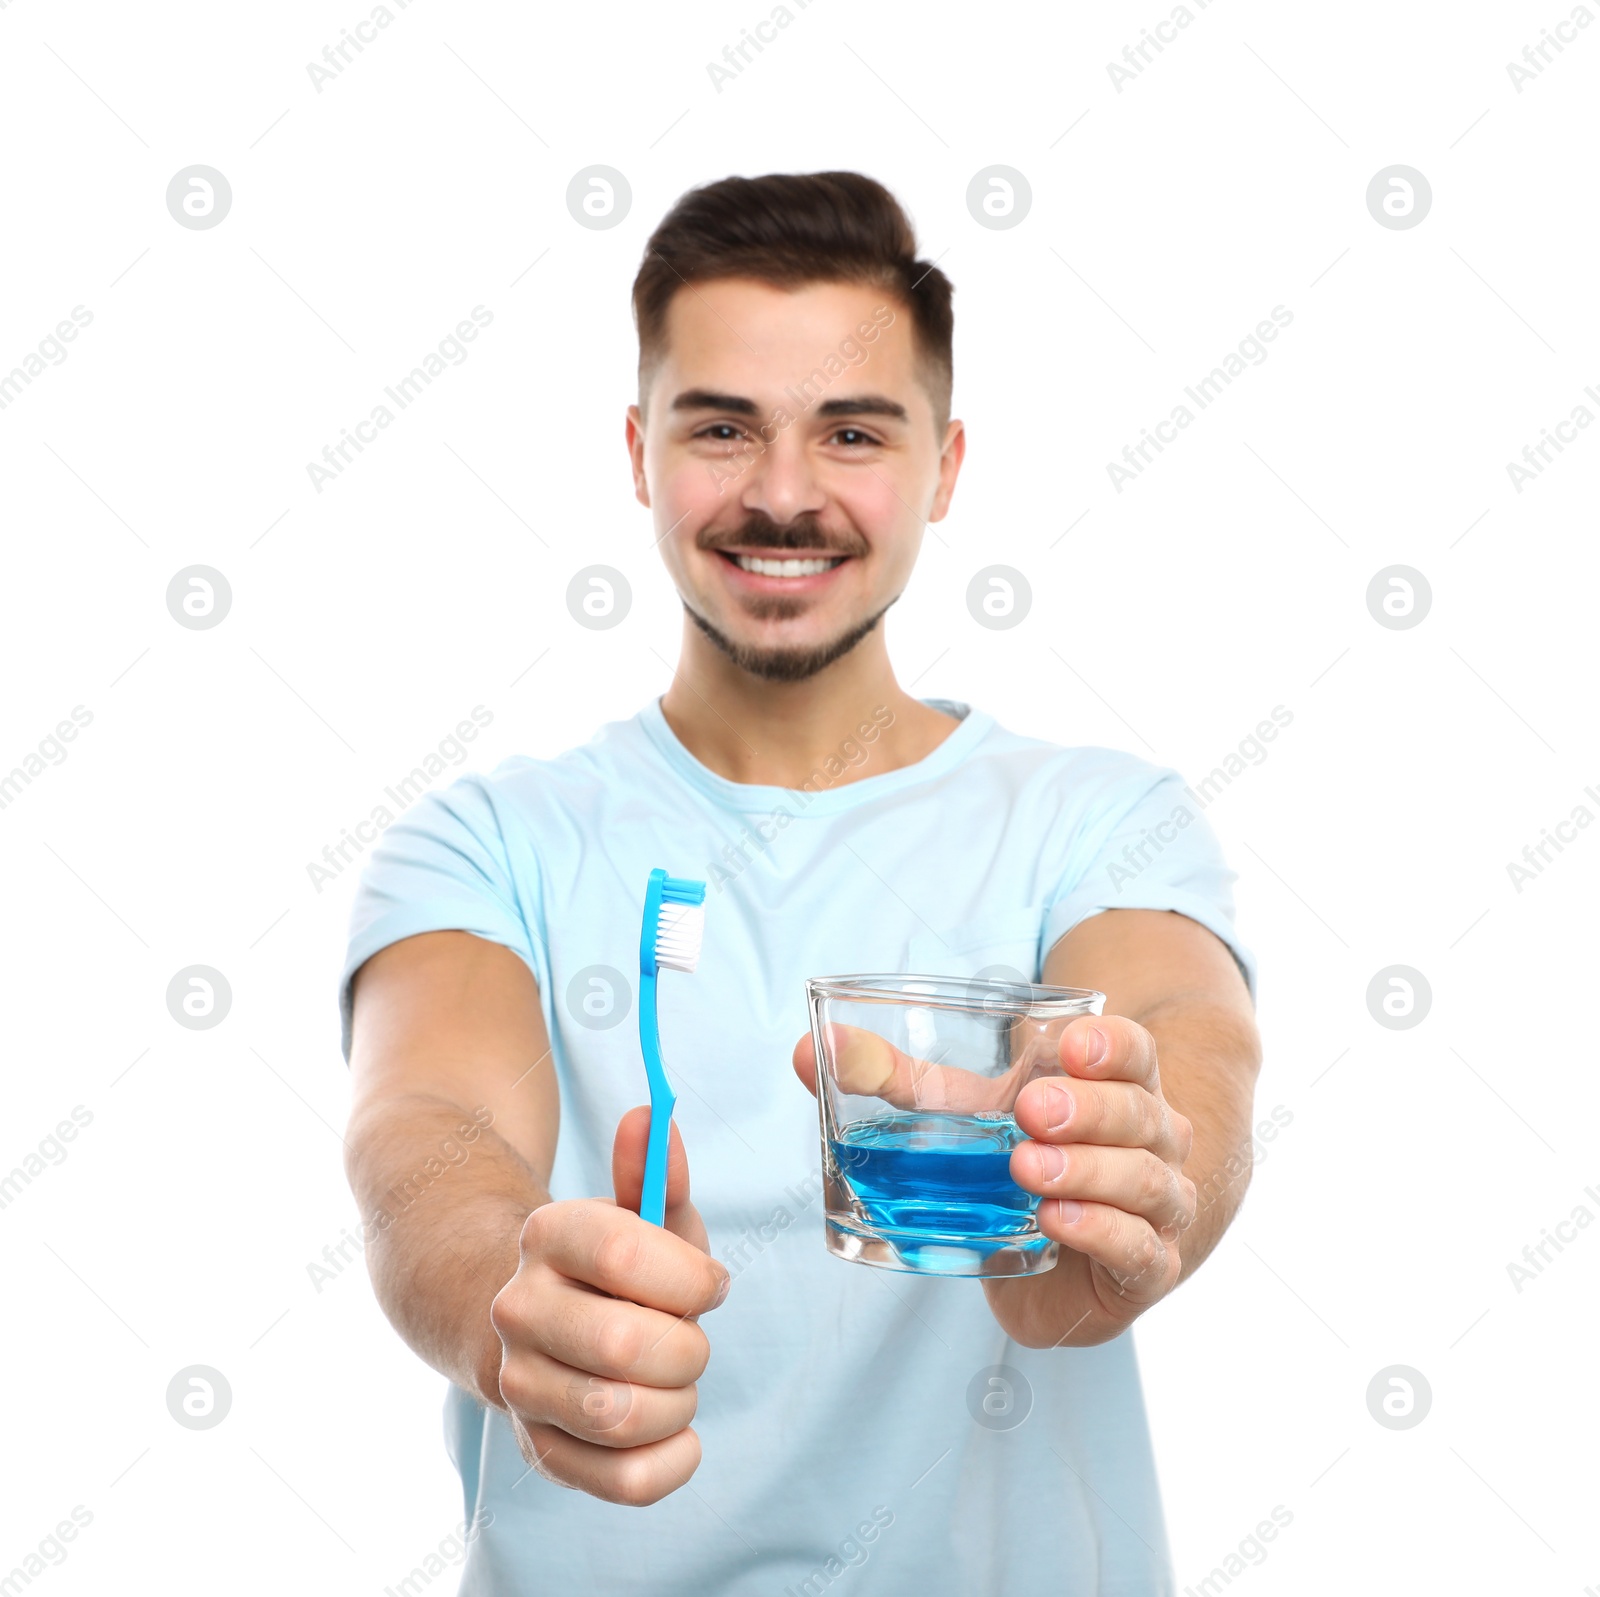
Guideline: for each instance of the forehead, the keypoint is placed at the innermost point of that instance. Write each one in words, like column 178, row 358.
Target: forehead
column 752, row 338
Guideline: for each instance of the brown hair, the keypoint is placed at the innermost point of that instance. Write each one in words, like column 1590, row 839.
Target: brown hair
column 790, row 228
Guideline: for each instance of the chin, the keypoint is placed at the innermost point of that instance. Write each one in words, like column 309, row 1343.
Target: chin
column 788, row 658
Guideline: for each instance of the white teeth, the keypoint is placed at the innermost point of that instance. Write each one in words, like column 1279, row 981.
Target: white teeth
column 784, row 568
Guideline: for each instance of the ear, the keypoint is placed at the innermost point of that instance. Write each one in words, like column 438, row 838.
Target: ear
column 633, row 434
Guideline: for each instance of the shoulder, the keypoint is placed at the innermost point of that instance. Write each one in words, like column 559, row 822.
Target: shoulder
column 532, row 787
column 1085, row 779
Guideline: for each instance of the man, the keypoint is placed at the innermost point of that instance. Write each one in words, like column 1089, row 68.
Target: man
column 791, row 438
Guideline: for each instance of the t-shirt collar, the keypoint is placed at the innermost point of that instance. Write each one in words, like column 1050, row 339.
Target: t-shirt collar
column 826, row 794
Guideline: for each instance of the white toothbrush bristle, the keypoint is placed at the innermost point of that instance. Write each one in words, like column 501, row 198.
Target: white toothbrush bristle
column 678, row 935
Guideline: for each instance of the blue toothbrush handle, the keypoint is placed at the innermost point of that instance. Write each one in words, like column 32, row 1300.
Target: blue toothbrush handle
column 653, row 1202
column 653, row 1197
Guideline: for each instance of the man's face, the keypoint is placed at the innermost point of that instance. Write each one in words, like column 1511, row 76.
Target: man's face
column 791, row 461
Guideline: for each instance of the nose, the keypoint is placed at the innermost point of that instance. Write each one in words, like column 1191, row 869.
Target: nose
column 781, row 483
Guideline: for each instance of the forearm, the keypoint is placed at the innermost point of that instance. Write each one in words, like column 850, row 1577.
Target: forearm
column 1209, row 1061
column 443, row 1197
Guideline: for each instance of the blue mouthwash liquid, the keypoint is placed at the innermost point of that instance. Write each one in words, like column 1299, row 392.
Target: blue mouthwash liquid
column 948, row 1174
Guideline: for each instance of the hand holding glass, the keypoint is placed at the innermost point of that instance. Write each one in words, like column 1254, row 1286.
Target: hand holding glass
column 917, row 1082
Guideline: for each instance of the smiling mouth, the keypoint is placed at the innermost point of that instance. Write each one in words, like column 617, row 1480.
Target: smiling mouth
column 786, row 566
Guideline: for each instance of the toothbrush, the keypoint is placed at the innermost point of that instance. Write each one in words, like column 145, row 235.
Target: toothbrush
column 674, row 921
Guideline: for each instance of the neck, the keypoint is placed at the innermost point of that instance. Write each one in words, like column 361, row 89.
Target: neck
column 848, row 721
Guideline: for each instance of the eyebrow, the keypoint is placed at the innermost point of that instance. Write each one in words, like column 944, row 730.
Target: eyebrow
column 738, row 405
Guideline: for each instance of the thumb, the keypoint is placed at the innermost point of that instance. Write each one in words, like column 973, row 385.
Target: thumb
column 627, row 1176
column 867, row 1065
column 805, row 1062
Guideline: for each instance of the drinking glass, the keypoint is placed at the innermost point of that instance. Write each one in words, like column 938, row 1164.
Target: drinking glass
column 917, row 1081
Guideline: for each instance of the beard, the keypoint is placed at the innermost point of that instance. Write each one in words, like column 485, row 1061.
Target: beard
column 785, row 665
column 804, row 534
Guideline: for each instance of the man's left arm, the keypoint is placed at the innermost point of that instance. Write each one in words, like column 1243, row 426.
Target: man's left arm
column 1142, row 1154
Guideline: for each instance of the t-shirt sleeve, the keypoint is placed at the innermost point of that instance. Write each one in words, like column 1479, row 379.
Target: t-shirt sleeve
column 445, row 865
column 1148, row 845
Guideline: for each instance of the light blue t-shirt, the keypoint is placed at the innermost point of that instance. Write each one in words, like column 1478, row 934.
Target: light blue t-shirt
column 836, row 1415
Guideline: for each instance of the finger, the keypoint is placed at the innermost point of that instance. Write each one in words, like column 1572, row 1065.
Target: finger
column 1131, row 1179
column 805, row 1062
column 634, row 1476
column 577, row 1326
column 871, row 1066
column 1113, row 1114
column 627, row 1175
column 591, row 1407
column 609, row 1247
column 1110, row 1048
column 1140, row 1265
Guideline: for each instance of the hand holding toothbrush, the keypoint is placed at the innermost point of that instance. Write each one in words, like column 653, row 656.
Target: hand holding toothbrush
column 599, row 1326
column 602, row 1345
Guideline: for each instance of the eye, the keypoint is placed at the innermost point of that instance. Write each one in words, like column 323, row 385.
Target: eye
column 730, row 432
column 866, row 438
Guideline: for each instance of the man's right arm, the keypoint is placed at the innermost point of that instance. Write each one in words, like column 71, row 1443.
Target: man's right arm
column 446, row 1035
column 577, row 1318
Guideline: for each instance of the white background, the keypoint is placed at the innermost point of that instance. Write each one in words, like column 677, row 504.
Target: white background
column 1167, row 220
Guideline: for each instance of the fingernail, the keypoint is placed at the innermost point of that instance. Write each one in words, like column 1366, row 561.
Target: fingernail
column 1094, row 1046
column 1057, row 1108
column 727, row 1282
column 1067, row 1211
column 1052, row 1161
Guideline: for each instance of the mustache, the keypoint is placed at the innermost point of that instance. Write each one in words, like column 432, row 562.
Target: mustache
column 804, row 532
